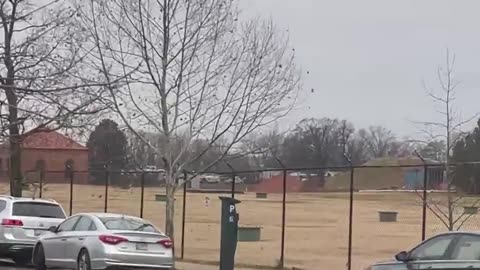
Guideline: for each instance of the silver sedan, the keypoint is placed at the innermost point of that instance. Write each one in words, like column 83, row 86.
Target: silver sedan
column 100, row 240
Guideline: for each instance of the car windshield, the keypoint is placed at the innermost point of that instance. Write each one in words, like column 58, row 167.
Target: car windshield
column 37, row 209
column 127, row 224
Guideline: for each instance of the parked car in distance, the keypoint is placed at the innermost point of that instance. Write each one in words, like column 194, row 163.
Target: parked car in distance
column 23, row 220
column 103, row 240
column 209, row 179
column 452, row 250
column 238, row 180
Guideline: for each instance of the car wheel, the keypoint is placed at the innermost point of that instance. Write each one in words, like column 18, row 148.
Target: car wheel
column 39, row 258
column 84, row 260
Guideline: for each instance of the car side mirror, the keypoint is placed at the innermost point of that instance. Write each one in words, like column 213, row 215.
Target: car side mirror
column 53, row 229
column 402, row 256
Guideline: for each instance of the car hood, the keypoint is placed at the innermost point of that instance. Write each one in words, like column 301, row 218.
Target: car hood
column 386, row 262
column 434, row 264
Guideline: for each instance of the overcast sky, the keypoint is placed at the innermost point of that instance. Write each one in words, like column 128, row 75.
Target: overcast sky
column 367, row 59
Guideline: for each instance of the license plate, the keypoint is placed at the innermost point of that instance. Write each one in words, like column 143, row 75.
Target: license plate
column 142, row 246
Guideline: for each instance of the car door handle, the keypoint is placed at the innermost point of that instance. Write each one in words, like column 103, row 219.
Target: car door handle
column 81, row 238
column 63, row 239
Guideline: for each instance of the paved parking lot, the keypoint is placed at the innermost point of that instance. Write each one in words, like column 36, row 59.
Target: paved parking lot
column 5, row 265
column 180, row 265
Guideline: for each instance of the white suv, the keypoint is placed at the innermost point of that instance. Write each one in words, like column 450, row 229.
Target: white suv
column 22, row 221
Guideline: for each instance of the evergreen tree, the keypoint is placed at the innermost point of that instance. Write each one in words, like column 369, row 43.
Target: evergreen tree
column 467, row 177
column 107, row 146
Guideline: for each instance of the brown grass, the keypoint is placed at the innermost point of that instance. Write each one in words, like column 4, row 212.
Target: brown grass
column 316, row 232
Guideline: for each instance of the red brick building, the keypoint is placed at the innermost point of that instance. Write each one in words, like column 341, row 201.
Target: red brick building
column 50, row 152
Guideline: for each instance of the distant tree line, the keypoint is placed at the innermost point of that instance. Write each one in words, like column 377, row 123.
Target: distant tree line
column 314, row 142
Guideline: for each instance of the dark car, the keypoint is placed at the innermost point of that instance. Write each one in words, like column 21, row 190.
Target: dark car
column 452, row 250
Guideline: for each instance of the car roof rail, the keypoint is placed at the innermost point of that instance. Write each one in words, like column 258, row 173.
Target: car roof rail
column 7, row 196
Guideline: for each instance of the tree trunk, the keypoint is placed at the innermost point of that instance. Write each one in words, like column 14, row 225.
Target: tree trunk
column 16, row 177
column 450, row 206
column 170, row 211
column 15, row 140
column 451, row 209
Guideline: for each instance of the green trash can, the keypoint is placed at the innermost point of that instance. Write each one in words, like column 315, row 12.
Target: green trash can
column 160, row 197
column 387, row 216
column 228, row 233
column 261, row 195
column 470, row 210
column 249, row 233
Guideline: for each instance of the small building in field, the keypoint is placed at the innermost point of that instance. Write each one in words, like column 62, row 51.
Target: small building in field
column 295, row 182
column 389, row 173
column 46, row 153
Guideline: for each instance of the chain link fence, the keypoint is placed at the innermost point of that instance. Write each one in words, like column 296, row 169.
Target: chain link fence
column 341, row 217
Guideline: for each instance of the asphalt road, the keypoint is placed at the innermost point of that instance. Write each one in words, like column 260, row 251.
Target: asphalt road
column 5, row 265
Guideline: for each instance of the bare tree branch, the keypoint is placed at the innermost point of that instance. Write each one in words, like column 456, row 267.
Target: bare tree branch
column 43, row 79
column 203, row 75
column 450, row 130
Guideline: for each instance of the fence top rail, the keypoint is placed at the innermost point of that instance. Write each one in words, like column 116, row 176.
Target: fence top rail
column 344, row 167
column 347, row 167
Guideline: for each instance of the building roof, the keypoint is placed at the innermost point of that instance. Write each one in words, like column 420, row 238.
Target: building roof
column 48, row 139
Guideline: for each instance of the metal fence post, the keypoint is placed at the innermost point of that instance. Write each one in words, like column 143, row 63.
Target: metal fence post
column 424, row 206
column 424, row 198
column 350, row 214
column 42, row 178
column 284, row 211
column 107, row 176
column 233, row 185
column 142, row 193
column 284, row 208
column 71, row 193
column 185, row 175
column 350, row 219
column 233, row 179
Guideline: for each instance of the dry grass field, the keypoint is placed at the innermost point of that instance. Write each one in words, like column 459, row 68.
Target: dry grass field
column 316, row 232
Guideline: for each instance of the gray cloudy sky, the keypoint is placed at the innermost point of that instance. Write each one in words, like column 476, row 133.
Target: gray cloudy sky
column 367, row 58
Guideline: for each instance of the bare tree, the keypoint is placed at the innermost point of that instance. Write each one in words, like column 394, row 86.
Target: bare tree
column 196, row 72
column 379, row 141
column 449, row 130
column 40, row 74
column 264, row 148
column 317, row 142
